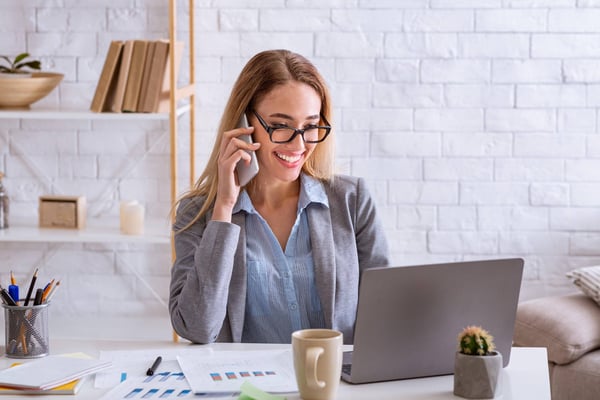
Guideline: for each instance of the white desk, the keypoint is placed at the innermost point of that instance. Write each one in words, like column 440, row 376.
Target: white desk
column 526, row 377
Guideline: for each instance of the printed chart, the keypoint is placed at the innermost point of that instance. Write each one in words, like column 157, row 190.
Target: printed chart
column 224, row 372
column 212, row 374
column 164, row 385
column 128, row 378
column 169, row 383
column 132, row 364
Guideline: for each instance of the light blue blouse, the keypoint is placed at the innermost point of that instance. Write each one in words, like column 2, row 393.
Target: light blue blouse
column 281, row 292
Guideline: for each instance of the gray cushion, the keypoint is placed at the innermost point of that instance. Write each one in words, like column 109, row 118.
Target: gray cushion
column 568, row 326
column 579, row 380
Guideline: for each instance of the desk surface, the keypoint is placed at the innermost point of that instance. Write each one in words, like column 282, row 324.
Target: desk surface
column 526, row 376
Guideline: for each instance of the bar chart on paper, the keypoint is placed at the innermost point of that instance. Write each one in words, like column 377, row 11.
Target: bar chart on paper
column 195, row 372
column 224, row 372
column 128, row 378
column 163, row 385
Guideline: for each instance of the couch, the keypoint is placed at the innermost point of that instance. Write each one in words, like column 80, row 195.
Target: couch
column 569, row 327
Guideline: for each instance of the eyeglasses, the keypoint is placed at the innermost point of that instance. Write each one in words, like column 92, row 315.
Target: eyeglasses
column 285, row 134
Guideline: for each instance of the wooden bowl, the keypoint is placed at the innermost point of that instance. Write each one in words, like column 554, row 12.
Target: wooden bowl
column 22, row 92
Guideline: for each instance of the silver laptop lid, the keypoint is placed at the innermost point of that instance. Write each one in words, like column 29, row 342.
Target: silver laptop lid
column 409, row 318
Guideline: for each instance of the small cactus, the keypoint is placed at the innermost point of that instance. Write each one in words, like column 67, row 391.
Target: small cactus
column 474, row 340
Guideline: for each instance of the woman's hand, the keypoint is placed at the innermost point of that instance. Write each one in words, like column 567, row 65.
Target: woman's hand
column 232, row 150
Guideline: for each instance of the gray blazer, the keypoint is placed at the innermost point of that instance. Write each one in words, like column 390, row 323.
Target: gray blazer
column 208, row 279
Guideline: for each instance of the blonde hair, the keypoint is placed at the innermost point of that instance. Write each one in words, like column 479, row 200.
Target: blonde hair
column 264, row 72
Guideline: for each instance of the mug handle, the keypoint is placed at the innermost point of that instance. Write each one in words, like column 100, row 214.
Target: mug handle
column 310, row 368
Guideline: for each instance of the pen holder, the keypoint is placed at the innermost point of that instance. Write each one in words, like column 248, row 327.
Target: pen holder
column 26, row 331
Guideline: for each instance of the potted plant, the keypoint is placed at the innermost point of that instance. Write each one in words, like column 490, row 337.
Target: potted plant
column 16, row 67
column 477, row 365
column 20, row 86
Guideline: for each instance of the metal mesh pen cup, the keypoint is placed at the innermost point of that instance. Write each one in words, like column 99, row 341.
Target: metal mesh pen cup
column 26, row 331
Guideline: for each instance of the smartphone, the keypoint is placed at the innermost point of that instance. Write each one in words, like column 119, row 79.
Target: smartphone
column 246, row 172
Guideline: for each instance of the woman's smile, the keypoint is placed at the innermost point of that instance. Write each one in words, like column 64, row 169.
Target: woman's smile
column 291, row 159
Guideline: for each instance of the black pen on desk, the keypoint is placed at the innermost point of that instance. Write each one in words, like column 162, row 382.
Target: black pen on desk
column 155, row 365
column 31, row 286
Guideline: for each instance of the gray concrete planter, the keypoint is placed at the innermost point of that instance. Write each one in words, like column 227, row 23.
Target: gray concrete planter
column 476, row 377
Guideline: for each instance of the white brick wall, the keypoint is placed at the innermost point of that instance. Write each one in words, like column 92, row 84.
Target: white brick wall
column 475, row 123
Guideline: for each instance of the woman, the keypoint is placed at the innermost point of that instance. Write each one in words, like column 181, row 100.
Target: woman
column 285, row 252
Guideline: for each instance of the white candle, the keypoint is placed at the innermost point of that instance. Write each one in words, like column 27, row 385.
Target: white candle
column 132, row 218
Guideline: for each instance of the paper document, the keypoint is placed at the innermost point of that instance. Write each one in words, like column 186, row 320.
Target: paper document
column 133, row 364
column 168, row 383
column 128, row 378
column 49, row 372
column 226, row 371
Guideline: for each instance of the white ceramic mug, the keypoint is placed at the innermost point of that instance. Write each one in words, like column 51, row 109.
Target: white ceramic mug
column 317, row 362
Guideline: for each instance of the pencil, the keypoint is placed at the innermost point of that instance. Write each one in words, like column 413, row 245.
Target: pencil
column 23, row 340
column 51, row 294
column 13, row 281
column 31, row 286
column 47, row 290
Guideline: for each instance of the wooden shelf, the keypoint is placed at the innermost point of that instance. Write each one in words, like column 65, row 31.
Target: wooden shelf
column 74, row 114
column 107, row 231
column 96, row 231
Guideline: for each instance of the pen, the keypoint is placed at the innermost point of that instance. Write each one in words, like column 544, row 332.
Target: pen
column 155, row 365
column 13, row 290
column 31, row 286
column 6, row 298
column 38, row 297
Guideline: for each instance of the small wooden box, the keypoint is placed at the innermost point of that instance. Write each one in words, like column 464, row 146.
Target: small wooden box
column 62, row 212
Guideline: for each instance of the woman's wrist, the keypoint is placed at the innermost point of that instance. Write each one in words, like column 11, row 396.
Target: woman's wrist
column 222, row 213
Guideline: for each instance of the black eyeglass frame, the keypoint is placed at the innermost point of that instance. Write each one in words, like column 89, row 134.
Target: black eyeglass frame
column 297, row 131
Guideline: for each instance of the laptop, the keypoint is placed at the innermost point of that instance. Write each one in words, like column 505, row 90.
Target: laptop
column 409, row 318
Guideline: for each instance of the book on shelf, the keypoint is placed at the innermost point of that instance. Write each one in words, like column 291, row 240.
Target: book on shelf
column 155, row 79
column 146, row 75
column 136, row 76
column 106, row 82
column 117, row 103
column 134, row 79
column 161, row 105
